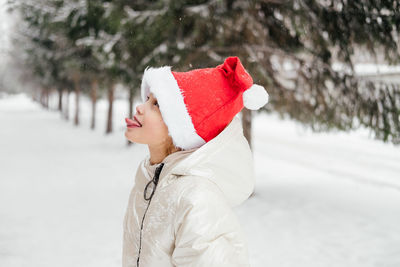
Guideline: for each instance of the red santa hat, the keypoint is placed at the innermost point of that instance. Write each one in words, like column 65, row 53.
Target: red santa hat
column 197, row 105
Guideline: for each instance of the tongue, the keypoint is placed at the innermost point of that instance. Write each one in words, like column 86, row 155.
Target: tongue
column 131, row 122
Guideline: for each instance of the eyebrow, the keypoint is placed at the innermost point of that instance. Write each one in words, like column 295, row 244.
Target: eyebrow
column 155, row 99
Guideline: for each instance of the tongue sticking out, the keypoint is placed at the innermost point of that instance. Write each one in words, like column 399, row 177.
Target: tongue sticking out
column 130, row 122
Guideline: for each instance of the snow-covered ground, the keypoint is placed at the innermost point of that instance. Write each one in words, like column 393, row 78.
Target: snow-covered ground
column 321, row 199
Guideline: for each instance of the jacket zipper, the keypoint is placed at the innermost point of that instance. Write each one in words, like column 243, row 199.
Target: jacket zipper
column 155, row 181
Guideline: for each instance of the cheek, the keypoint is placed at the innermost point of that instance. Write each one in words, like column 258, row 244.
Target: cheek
column 155, row 129
column 158, row 127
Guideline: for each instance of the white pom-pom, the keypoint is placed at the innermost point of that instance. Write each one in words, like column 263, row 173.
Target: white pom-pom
column 255, row 97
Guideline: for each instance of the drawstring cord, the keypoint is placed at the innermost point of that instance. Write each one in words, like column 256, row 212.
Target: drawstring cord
column 155, row 182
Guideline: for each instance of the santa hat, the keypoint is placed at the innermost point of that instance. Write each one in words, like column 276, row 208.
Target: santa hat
column 197, row 105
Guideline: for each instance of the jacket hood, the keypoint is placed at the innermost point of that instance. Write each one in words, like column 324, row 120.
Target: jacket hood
column 226, row 160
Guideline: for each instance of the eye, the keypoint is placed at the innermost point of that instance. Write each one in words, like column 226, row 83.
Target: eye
column 156, row 103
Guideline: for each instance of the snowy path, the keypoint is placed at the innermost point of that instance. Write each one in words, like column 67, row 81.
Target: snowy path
column 321, row 199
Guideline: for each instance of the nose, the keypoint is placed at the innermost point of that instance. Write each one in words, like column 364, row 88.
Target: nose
column 139, row 109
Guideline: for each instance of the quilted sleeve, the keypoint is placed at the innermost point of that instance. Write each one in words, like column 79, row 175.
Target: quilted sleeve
column 207, row 231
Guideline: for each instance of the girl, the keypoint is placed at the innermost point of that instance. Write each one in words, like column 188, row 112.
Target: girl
column 199, row 166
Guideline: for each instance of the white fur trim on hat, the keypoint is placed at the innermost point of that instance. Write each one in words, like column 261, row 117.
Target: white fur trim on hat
column 255, row 97
column 164, row 87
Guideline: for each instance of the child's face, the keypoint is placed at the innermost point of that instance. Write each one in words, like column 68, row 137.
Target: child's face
column 154, row 131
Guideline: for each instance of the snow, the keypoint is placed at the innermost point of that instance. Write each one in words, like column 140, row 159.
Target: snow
column 369, row 68
column 361, row 69
column 142, row 16
column 322, row 199
column 201, row 10
column 328, row 199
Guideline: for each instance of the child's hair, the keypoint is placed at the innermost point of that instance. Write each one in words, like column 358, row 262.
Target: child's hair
column 172, row 148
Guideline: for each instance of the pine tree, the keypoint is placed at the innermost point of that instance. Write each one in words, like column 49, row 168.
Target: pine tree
column 288, row 46
column 269, row 35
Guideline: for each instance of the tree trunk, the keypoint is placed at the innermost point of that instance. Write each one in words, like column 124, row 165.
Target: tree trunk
column 46, row 98
column 60, row 95
column 66, row 115
column 131, row 91
column 110, row 108
column 93, row 95
column 42, row 97
column 246, row 122
column 77, row 93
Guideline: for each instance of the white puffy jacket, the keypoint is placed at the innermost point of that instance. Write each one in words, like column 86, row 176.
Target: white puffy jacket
column 189, row 220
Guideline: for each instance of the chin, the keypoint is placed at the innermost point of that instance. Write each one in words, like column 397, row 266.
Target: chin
column 131, row 139
column 127, row 137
